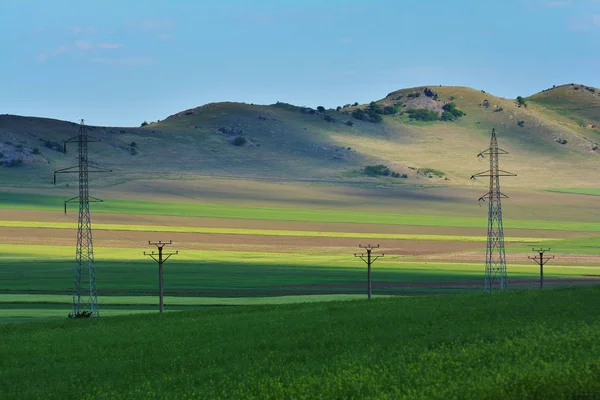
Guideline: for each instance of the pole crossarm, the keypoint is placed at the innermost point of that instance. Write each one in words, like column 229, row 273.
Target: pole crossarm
column 541, row 262
column 160, row 260
column 369, row 261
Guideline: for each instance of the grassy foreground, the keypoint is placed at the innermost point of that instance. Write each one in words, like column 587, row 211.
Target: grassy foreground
column 521, row 344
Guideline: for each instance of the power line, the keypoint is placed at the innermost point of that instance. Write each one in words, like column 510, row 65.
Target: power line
column 495, row 255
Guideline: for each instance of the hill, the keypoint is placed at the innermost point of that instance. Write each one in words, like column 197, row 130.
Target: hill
column 553, row 142
column 521, row 344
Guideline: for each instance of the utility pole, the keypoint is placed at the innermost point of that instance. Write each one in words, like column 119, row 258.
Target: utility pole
column 159, row 245
column 541, row 262
column 495, row 255
column 369, row 261
column 84, row 305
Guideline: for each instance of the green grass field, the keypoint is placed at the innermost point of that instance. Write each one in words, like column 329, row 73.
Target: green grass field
column 37, row 277
column 521, row 344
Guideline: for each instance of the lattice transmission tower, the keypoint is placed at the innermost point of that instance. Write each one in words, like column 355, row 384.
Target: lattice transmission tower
column 85, row 300
column 495, row 255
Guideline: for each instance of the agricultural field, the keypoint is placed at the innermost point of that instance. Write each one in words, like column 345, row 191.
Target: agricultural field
column 520, row 344
column 246, row 242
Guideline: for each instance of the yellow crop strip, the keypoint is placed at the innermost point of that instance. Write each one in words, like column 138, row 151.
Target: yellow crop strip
column 263, row 232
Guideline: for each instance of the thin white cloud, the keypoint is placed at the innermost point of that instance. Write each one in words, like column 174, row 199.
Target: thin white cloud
column 42, row 57
column 123, row 60
column 78, row 30
column 165, row 36
column 83, row 45
column 110, row 46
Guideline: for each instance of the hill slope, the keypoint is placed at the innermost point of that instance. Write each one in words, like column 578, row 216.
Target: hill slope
column 282, row 141
column 520, row 344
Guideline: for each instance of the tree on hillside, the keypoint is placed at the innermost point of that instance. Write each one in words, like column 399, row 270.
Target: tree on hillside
column 521, row 102
column 321, row 108
column 144, row 123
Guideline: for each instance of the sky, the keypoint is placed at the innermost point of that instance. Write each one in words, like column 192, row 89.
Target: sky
column 118, row 63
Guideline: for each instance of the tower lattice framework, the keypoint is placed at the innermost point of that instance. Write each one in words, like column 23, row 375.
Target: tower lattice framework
column 85, row 297
column 495, row 255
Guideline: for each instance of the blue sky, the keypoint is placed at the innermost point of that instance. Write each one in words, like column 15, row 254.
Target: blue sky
column 123, row 62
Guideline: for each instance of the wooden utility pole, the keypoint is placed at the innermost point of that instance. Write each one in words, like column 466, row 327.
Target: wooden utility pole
column 369, row 261
column 160, row 260
column 541, row 262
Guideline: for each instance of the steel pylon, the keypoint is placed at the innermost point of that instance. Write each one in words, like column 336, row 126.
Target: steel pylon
column 85, row 297
column 495, row 255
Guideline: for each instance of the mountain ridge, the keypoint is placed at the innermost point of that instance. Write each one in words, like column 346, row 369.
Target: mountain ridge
column 553, row 137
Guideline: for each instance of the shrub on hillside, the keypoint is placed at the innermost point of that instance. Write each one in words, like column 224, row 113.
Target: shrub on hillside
column 390, row 110
column 321, row 108
column 369, row 115
column 423, row 114
column 447, row 116
column 349, row 123
column 328, row 118
column 133, row 144
column 377, row 170
column 375, row 108
column 36, row 150
column 238, row 141
column 15, row 162
column 143, row 124
column 355, row 103
column 562, row 140
column 430, row 171
column 451, row 108
column 521, row 102
column 485, row 103
column 359, row 114
column 521, row 123
column 499, row 109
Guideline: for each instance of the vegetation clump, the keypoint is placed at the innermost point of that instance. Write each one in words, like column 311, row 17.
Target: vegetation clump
column 15, row 162
column 521, row 123
column 431, row 172
column 238, row 141
column 143, row 124
column 562, row 140
column 370, row 115
column 423, row 114
column 521, row 102
column 52, row 145
column 381, row 170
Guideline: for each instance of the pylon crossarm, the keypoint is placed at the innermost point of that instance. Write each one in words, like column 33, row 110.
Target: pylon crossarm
column 505, row 173
column 98, row 169
column 489, row 151
column 480, row 174
column 96, row 200
column 68, row 170
column 73, row 200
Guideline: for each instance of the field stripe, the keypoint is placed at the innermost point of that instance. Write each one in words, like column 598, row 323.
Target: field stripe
column 262, row 232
